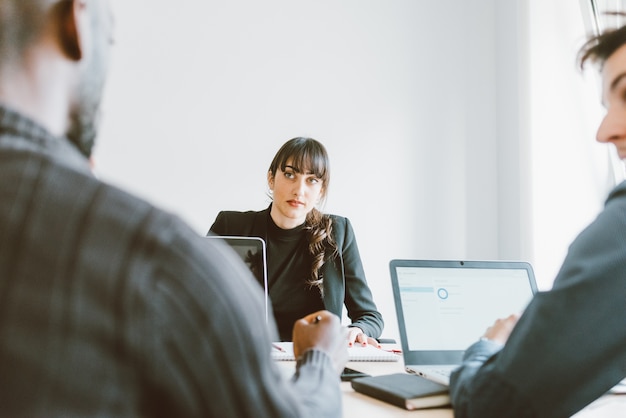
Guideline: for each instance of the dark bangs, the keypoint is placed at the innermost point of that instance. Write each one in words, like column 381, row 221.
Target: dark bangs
column 306, row 155
column 599, row 48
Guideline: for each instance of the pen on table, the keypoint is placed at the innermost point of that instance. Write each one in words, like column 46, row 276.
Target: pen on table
column 279, row 348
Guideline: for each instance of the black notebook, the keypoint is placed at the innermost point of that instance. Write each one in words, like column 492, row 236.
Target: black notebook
column 404, row 390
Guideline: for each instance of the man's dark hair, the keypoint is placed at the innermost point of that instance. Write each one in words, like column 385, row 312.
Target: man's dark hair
column 18, row 18
column 600, row 47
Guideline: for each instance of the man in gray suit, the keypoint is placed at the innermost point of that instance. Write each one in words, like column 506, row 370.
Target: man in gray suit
column 108, row 305
column 569, row 346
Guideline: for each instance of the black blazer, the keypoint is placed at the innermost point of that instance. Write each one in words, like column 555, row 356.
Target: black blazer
column 344, row 277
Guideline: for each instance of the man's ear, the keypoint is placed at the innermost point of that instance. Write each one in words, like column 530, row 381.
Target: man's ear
column 68, row 14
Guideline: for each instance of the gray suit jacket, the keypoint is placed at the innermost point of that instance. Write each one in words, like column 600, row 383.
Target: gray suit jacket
column 569, row 346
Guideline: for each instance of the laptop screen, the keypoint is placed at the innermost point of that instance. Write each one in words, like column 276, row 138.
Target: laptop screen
column 447, row 305
column 252, row 253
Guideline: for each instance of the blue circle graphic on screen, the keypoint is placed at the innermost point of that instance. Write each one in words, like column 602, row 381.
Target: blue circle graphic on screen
column 442, row 293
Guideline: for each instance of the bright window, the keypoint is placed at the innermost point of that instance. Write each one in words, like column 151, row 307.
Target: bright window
column 571, row 172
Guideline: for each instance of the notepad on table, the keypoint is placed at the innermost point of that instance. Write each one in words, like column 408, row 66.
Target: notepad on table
column 284, row 351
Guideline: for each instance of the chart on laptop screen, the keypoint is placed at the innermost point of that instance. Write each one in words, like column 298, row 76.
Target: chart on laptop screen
column 449, row 308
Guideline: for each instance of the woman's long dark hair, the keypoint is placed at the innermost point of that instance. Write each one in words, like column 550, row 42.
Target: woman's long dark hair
column 309, row 155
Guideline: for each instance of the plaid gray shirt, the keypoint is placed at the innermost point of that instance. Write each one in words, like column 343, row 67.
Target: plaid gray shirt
column 110, row 307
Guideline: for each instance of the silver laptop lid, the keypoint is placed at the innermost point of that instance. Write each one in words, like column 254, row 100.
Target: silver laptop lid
column 443, row 306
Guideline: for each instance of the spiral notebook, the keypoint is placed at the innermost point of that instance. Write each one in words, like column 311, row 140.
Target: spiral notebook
column 284, row 351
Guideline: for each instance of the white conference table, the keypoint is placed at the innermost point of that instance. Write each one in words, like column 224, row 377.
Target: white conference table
column 357, row 405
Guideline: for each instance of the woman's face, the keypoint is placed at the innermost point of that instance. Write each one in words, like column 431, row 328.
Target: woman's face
column 295, row 194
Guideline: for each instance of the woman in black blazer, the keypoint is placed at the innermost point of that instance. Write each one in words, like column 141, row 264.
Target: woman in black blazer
column 313, row 258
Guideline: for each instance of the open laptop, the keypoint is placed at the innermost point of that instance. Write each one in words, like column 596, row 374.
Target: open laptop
column 444, row 306
column 253, row 253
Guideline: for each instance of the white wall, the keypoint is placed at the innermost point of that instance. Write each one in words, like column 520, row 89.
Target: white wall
column 418, row 103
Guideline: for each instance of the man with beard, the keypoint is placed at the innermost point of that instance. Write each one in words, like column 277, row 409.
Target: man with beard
column 109, row 306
